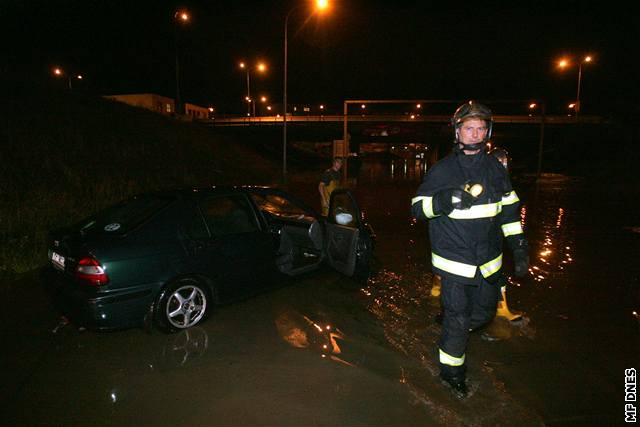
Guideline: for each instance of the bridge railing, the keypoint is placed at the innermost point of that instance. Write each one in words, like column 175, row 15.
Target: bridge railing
column 271, row 120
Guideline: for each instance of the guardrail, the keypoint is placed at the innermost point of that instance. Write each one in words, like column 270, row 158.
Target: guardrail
column 271, row 120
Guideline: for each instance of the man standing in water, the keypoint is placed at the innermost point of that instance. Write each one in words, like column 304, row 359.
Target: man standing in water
column 329, row 181
column 471, row 205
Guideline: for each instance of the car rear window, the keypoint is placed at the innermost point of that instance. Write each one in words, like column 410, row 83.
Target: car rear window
column 125, row 216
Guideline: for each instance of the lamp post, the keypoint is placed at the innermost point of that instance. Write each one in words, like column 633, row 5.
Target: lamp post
column 533, row 106
column 585, row 59
column 260, row 67
column 248, row 97
column 59, row 72
column 180, row 16
column 321, row 5
column 563, row 63
column 263, row 100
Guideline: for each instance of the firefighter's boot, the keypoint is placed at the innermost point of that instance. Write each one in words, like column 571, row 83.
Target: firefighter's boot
column 436, row 286
column 457, row 384
column 503, row 309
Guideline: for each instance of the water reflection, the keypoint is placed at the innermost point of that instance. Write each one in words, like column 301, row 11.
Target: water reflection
column 551, row 243
column 301, row 331
column 393, row 169
column 184, row 348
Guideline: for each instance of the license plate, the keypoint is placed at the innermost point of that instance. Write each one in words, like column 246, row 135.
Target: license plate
column 57, row 260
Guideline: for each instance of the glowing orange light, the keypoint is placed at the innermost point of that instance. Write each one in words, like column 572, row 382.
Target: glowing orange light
column 322, row 4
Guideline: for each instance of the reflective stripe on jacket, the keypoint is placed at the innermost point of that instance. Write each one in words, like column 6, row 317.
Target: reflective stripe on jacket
column 467, row 242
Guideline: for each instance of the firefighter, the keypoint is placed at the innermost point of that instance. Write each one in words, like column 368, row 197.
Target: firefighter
column 470, row 204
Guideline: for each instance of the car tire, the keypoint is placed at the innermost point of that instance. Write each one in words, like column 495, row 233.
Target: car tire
column 183, row 304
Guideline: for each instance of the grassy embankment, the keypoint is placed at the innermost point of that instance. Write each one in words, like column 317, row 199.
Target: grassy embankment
column 66, row 155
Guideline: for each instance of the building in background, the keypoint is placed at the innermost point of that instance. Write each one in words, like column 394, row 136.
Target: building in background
column 163, row 105
column 148, row 101
column 196, row 112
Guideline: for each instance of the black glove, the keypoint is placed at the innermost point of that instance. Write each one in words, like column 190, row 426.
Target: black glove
column 521, row 260
column 452, row 198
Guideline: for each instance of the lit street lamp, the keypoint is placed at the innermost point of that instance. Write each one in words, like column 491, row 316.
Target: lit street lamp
column 261, row 67
column 321, row 5
column 180, row 17
column 564, row 63
column 58, row 72
column 263, row 100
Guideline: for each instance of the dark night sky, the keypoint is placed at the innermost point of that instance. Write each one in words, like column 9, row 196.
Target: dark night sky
column 362, row 49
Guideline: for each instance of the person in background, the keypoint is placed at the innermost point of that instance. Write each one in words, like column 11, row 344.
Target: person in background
column 329, row 181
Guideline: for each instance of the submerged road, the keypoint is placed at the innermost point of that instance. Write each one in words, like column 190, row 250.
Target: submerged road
column 326, row 351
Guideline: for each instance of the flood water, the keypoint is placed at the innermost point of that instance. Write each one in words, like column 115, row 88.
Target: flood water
column 324, row 350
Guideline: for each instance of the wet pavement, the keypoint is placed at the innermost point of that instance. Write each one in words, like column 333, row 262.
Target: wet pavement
column 327, row 351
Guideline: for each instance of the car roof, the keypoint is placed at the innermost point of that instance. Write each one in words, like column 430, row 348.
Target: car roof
column 198, row 192
column 212, row 190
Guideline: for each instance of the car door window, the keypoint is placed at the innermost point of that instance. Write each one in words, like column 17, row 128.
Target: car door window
column 195, row 226
column 226, row 215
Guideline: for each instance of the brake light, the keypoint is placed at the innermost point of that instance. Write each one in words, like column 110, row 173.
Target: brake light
column 90, row 272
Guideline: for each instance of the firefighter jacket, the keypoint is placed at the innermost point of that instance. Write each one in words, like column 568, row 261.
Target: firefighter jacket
column 467, row 244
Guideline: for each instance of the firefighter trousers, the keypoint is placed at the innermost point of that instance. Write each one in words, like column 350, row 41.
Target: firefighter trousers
column 465, row 307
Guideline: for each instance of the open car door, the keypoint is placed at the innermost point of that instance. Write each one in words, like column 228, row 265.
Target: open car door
column 348, row 244
column 296, row 229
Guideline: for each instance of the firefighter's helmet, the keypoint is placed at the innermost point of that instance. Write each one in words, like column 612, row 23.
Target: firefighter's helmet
column 469, row 110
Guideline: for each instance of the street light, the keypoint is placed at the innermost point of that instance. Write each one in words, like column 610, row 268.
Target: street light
column 321, row 6
column 263, row 100
column 59, row 72
column 261, row 67
column 180, row 17
column 564, row 63
column 534, row 106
